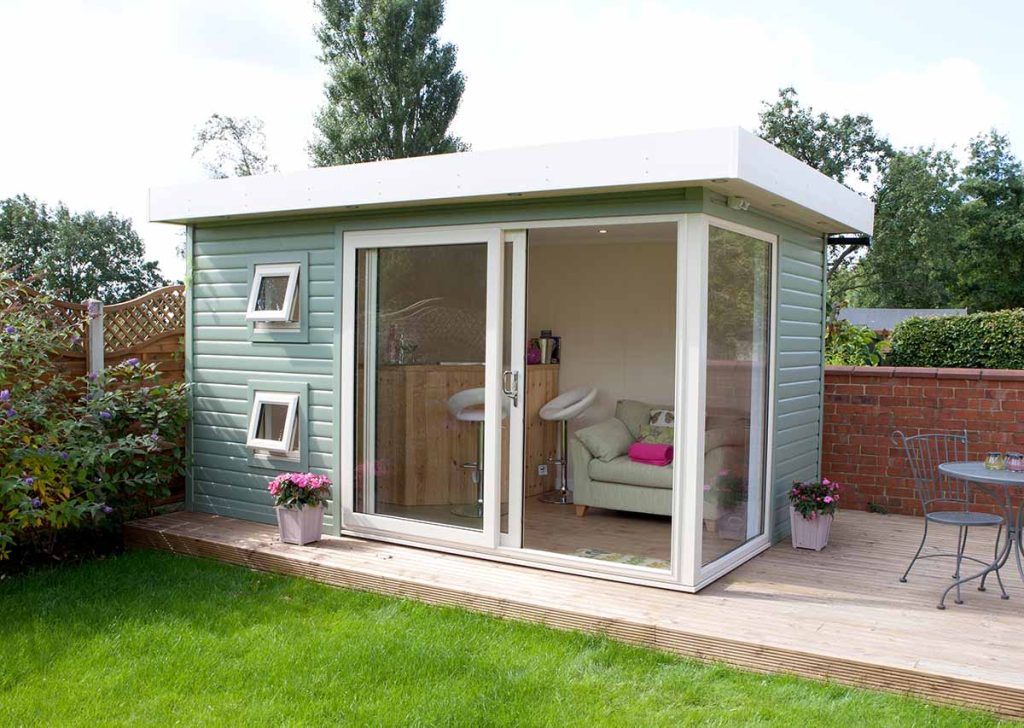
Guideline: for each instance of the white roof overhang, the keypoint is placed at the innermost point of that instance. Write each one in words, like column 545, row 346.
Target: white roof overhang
column 731, row 161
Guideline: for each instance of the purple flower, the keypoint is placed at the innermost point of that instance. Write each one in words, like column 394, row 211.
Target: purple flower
column 104, row 415
column 133, row 362
column 155, row 437
column 28, row 480
column 63, row 456
column 91, row 376
column 8, row 329
column 106, row 509
column 36, row 502
column 5, row 395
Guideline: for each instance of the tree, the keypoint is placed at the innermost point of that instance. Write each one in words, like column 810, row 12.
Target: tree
column 234, row 146
column 393, row 89
column 840, row 147
column 990, row 274
column 919, row 226
column 74, row 256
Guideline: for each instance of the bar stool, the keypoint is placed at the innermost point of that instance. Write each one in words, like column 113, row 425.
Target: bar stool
column 561, row 409
column 468, row 406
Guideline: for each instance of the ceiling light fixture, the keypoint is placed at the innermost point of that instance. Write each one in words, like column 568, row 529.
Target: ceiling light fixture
column 602, row 231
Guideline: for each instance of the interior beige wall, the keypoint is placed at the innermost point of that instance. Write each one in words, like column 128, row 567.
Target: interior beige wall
column 614, row 307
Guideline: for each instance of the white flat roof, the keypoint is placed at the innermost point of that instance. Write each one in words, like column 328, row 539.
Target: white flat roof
column 730, row 160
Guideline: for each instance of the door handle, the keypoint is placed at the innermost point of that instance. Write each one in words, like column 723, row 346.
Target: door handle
column 510, row 385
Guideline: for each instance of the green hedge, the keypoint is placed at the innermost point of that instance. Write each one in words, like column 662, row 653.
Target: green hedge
column 975, row 341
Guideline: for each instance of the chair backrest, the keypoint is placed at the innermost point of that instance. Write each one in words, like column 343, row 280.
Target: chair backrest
column 925, row 453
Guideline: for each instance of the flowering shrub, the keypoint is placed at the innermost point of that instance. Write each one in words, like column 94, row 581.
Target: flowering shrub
column 813, row 498
column 294, row 490
column 76, row 452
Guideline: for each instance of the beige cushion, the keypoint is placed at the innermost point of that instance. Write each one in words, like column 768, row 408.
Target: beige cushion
column 606, row 440
column 634, row 414
column 623, row 470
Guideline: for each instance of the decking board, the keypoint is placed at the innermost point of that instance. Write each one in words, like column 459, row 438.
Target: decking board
column 839, row 615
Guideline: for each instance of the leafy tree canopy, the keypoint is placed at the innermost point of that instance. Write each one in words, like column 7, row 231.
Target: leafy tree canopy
column 232, row 146
column 991, row 273
column 918, row 227
column 393, row 88
column 840, row 147
column 74, row 256
column 949, row 236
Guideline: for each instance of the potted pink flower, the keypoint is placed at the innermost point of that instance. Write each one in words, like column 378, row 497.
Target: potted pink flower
column 812, row 507
column 299, row 501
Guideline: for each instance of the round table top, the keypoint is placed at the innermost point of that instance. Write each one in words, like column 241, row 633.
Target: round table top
column 977, row 472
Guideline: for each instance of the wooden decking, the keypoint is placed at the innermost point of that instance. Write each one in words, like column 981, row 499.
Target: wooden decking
column 838, row 615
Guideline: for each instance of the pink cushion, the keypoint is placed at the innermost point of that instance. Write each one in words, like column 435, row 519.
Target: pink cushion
column 650, row 453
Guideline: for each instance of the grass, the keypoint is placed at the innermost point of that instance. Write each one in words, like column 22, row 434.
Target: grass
column 148, row 638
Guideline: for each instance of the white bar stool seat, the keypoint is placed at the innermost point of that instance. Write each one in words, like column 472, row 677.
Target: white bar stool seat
column 561, row 409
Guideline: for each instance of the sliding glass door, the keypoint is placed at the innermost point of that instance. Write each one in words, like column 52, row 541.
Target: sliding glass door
column 422, row 383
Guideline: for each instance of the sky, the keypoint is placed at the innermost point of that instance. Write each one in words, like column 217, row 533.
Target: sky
column 101, row 98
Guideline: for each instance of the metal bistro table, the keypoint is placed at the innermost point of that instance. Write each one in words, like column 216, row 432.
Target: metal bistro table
column 995, row 483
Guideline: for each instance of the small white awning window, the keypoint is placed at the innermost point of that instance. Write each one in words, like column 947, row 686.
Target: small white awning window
column 273, row 293
column 273, row 423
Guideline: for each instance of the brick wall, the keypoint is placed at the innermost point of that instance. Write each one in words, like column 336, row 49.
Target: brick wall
column 865, row 405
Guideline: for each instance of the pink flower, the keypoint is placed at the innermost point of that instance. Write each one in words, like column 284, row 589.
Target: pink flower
column 825, row 481
column 828, row 499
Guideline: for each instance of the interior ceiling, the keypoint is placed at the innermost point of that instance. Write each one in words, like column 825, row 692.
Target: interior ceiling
column 652, row 232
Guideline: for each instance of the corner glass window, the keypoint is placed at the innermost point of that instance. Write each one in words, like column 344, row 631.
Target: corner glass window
column 273, row 424
column 736, row 395
column 273, row 297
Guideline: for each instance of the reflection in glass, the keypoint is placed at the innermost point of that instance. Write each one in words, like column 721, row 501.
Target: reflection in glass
column 271, row 294
column 739, row 292
column 420, row 347
column 272, row 421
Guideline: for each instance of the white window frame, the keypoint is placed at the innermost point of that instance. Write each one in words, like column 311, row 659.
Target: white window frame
column 283, row 445
column 273, row 270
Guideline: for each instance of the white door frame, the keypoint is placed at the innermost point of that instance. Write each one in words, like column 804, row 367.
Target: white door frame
column 517, row 405
column 687, row 572
column 372, row 523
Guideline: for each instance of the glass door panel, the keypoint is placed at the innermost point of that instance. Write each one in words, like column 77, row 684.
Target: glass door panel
column 420, row 330
column 736, row 415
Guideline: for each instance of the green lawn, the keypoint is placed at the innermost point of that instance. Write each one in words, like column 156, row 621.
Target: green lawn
column 150, row 638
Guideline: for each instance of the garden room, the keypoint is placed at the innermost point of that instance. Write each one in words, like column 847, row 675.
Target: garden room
column 602, row 358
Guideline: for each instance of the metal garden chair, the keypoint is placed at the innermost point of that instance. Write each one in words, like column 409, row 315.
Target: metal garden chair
column 946, row 501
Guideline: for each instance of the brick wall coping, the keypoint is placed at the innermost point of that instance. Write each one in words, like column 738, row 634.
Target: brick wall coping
column 929, row 373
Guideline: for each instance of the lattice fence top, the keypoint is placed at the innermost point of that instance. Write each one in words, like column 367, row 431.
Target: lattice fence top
column 157, row 314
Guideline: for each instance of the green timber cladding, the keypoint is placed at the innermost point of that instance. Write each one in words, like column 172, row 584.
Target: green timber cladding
column 222, row 359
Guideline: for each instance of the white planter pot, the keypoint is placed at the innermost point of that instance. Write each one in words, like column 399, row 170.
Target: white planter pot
column 300, row 525
column 809, row 533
